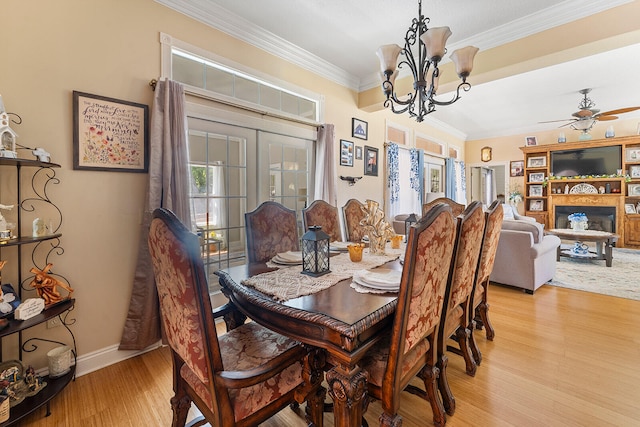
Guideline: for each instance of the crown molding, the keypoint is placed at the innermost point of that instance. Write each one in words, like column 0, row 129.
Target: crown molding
column 221, row 19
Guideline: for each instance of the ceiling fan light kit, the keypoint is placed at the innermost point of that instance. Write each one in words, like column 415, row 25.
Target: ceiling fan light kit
column 587, row 116
column 423, row 49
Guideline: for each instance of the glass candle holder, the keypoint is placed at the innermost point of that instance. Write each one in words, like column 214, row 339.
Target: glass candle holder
column 355, row 252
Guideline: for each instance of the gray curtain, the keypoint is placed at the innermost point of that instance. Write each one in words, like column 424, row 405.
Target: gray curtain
column 168, row 187
column 326, row 174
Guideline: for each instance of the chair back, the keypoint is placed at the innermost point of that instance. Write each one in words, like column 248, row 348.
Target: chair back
column 325, row 215
column 271, row 229
column 430, row 244
column 493, row 225
column 470, row 230
column 456, row 208
column 352, row 214
column 184, row 296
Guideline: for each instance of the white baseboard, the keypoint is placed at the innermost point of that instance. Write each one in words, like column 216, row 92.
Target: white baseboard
column 102, row 358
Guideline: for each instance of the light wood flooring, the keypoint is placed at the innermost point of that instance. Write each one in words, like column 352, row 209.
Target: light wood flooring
column 560, row 358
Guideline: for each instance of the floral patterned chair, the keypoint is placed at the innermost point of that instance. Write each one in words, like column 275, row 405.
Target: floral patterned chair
column 479, row 316
column 240, row 378
column 271, row 229
column 457, row 303
column 352, row 213
column 325, row 215
column 410, row 347
column 456, row 208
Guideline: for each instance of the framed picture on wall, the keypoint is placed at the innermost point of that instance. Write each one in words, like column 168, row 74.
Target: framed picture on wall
column 359, row 128
column 530, row 141
column 370, row 161
column 358, row 152
column 346, row 153
column 109, row 134
column 536, row 205
column 517, row 168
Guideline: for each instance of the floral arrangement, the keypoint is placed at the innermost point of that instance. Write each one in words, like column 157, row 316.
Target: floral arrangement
column 578, row 217
column 378, row 229
column 515, row 196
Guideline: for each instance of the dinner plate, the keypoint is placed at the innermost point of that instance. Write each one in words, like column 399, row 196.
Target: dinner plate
column 387, row 288
column 379, row 278
column 339, row 246
column 288, row 258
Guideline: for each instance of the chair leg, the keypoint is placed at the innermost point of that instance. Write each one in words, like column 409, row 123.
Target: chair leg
column 483, row 311
column 314, row 413
column 430, row 377
column 462, row 336
column 473, row 345
column 180, row 404
column 448, row 401
column 387, row 420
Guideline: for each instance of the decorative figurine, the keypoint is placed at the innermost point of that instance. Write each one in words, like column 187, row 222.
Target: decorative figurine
column 46, row 285
column 7, row 135
column 3, row 222
column 39, row 229
column 42, row 154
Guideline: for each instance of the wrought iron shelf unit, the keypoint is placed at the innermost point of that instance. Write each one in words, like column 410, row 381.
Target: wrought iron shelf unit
column 35, row 251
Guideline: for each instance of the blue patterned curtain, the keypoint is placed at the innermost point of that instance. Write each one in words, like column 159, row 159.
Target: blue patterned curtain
column 417, row 173
column 450, row 185
column 393, row 179
column 456, row 181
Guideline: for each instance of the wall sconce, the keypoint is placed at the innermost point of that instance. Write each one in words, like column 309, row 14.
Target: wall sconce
column 485, row 154
column 351, row 179
column 315, row 252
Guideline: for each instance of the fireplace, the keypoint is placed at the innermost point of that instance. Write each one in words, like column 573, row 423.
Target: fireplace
column 601, row 218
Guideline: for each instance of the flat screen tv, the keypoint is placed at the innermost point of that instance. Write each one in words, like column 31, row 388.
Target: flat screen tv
column 587, row 161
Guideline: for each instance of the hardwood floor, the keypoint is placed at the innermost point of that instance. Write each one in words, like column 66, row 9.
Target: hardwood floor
column 560, row 358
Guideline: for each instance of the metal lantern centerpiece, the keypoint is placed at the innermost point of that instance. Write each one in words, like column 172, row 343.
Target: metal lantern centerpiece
column 315, row 252
column 411, row 219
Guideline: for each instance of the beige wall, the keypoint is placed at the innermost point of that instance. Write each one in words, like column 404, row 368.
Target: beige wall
column 111, row 48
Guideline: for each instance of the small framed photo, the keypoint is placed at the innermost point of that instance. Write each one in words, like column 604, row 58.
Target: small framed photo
column 517, row 168
column 536, row 177
column 536, row 205
column 346, row 153
column 535, row 191
column 370, row 161
column 633, row 155
column 359, row 128
column 530, row 141
column 633, row 189
column 537, row 162
column 634, row 171
column 358, row 152
column 629, row 208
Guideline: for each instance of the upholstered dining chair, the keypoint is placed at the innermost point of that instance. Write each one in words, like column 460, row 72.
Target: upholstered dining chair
column 457, row 302
column 352, row 214
column 456, row 208
column 271, row 229
column 479, row 315
column 240, row 378
column 325, row 215
column 410, row 348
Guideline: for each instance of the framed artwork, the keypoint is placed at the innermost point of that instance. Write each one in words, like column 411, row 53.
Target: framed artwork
column 359, row 128
column 535, row 205
column 485, row 154
column 537, row 162
column 629, row 208
column 633, row 154
column 358, row 152
column 517, row 167
column 536, row 177
column 346, row 153
column 535, row 191
column 634, row 171
column 530, row 141
column 370, row 161
column 634, row 190
column 109, row 134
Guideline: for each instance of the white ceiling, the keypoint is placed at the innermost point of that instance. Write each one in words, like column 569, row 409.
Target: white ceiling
column 338, row 39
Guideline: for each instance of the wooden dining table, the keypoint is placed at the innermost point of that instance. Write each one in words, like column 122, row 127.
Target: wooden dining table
column 342, row 322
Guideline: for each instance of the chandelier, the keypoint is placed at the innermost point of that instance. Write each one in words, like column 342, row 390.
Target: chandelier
column 429, row 50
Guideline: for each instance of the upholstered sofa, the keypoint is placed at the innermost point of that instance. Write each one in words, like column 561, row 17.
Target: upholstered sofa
column 525, row 258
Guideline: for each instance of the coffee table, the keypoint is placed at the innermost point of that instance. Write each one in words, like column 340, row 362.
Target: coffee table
column 599, row 237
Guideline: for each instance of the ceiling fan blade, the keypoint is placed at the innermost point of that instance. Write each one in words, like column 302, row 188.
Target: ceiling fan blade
column 619, row 111
column 605, row 118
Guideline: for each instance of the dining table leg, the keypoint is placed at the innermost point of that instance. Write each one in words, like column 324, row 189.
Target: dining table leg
column 348, row 389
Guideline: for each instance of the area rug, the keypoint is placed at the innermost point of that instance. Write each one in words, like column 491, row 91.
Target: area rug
column 620, row 280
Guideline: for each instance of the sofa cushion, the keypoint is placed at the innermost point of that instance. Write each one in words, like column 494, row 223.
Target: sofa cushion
column 508, row 211
column 535, row 228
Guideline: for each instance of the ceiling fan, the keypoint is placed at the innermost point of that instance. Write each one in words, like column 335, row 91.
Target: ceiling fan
column 587, row 116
